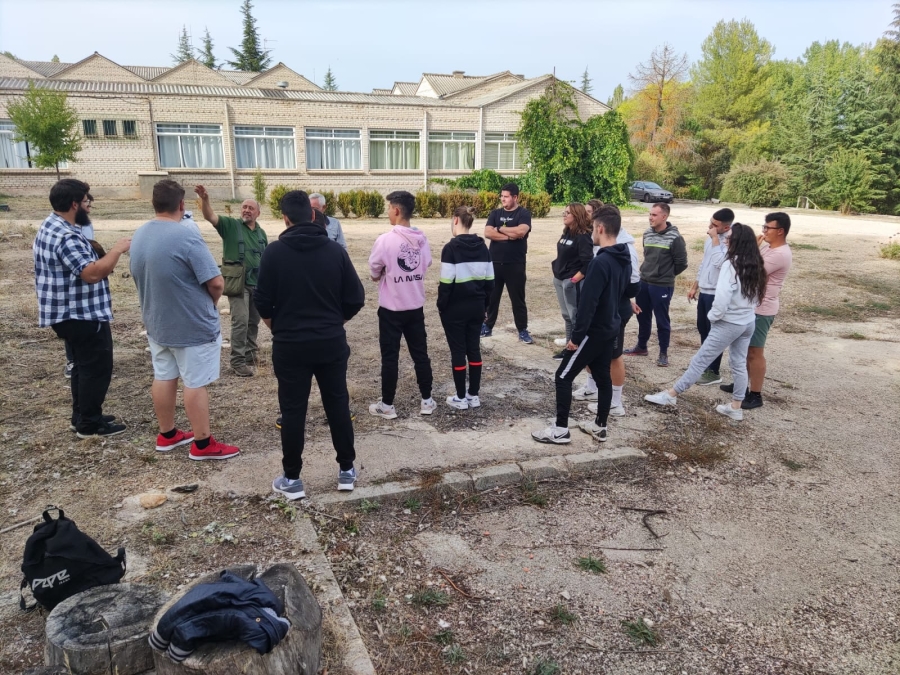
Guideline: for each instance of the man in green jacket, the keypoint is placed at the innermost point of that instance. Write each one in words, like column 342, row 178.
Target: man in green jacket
column 244, row 317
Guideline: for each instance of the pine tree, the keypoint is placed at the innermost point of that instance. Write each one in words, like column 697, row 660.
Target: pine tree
column 330, row 84
column 206, row 56
column 586, row 86
column 55, row 59
column 184, row 51
column 617, row 97
column 250, row 57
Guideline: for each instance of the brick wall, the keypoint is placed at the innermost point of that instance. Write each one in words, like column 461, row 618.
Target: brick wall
column 12, row 68
column 195, row 74
column 100, row 68
column 281, row 73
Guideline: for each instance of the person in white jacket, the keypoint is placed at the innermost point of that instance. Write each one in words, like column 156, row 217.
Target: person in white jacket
column 740, row 288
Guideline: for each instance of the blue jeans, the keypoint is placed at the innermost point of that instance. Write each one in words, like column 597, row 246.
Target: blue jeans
column 704, row 304
column 654, row 301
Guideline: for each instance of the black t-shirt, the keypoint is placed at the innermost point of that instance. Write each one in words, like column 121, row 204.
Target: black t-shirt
column 513, row 250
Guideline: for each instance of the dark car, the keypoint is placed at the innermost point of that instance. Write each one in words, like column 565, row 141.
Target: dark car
column 645, row 191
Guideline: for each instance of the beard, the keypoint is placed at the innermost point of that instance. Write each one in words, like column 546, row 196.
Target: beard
column 81, row 217
column 247, row 219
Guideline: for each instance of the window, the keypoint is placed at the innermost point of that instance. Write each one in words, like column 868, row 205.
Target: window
column 192, row 146
column 90, row 128
column 333, row 149
column 16, row 154
column 109, row 128
column 264, row 148
column 394, row 150
column 129, row 128
column 502, row 152
column 451, row 150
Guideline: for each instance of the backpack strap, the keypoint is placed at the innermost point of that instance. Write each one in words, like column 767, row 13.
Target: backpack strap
column 22, row 605
column 50, row 508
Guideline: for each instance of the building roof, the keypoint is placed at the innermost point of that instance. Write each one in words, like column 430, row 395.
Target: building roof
column 148, row 72
column 405, row 88
column 448, row 84
column 45, row 68
column 382, row 92
column 237, row 76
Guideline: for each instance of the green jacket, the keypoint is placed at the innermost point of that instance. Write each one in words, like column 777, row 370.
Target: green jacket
column 665, row 256
column 255, row 241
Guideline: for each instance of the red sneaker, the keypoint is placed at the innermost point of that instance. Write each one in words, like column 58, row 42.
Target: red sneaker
column 164, row 444
column 214, row 450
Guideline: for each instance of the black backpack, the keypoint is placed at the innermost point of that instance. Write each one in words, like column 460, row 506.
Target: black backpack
column 60, row 560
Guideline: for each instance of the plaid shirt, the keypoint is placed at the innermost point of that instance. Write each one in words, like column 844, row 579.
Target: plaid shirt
column 61, row 252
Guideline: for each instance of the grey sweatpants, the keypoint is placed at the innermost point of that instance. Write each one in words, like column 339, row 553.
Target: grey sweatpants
column 721, row 335
column 567, row 296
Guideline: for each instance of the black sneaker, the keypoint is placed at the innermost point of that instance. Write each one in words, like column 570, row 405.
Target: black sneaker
column 105, row 419
column 727, row 388
column 752, row 401
column 104, row 430
column 559, row 355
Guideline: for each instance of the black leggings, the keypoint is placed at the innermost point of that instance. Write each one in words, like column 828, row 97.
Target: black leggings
column 464, row 339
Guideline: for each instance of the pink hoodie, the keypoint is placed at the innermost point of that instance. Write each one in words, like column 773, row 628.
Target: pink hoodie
column 399, row 259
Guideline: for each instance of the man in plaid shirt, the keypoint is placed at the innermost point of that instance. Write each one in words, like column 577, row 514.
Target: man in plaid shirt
column 73, row 298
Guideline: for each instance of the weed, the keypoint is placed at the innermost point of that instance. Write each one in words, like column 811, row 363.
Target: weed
column 412, row 504
column 405, row 631
column 890, row 250
column 454, row 654
column 351, row 523
column 854, row 336
column 561, row 614
column 430, row 598
column 592, row 564
column 544, row 667
column 157, row 536
column 149, row 459
column 691, row 438
column 530, row 494
column 444, row 637
column 379, row 602
column 429, row 478
column 792, row 465
column 640, row 632
column 698, row 245
column 807, row 247
column 217, row 534
column 883, row 306
column 367, row 507
column 286, row 509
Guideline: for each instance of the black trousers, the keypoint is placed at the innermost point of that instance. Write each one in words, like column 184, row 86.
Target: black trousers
column 597, row 354
column 409, row 324
column 511, row 275
column 295, row 365
column 704, row 304
column 463, row 331
column 92, row 352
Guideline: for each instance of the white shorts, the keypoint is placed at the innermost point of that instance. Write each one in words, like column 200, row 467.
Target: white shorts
column 197, row 366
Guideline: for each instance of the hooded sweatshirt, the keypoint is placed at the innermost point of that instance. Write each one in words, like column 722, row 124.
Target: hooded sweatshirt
column 399, row 260
column 665, row 256
column 307, row 286
column 730, row 305
column 601, row 293
column 634, row 281
column 467, row 276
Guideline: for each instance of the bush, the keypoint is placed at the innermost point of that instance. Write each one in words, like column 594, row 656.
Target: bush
column 427, row 203
column 485, row 202
column 538, row 204
column 345, row 203
column 374, row 204
column 890, row 250
column 360, row 203
column 452, row 199
column 758, row 184
column 485, row 180
column 849, row 182
column 259, row 187
column 275, row 196
column 330, row 203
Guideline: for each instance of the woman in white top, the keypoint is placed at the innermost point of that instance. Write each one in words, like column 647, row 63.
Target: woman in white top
column 741, row 287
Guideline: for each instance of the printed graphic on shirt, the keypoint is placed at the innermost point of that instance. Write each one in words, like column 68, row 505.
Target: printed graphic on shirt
column 410, row 258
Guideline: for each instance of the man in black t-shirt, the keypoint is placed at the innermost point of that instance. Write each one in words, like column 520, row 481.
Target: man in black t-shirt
column 507, row 229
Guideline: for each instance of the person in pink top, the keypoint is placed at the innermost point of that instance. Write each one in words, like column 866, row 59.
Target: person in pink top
column 398, row 263
column 777, row 259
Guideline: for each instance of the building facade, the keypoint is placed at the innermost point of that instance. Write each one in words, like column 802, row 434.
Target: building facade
column 217, row 128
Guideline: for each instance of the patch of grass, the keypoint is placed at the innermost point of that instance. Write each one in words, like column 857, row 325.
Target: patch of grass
column 634, row 207
column 530, row 494
column 454, row 654
column 640, row 632
column 285, row 508
column 379, row 602
column 792, row 328
column 156, row 535
column 444, row 637
column 405, row 631
column 412, row 504
column 882, row 306
column 545, row 667
column 807, row 247
column 792, row 465
column 561, row 614
column 854, row 336
column 149, row 459
column 698, row 245
column 592, row 564
column 430, row 478
column 890, row 250
column 430, row 597
column 691, row 438
column 367, row 506
column 351, row 523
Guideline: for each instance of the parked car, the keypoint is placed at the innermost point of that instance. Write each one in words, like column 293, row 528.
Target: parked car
column 645, row 191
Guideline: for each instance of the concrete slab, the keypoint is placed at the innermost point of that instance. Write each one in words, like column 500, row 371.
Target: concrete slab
column 457, row 480
column 541, row 469
column 496, row 476
column 370, row 492
column 587, row 462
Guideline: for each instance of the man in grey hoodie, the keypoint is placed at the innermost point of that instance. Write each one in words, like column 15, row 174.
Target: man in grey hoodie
column 665, row 257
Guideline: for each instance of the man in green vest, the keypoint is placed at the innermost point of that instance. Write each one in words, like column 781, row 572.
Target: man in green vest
column 243, row 240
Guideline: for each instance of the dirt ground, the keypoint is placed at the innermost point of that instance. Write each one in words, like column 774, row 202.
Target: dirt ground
column 778, row 548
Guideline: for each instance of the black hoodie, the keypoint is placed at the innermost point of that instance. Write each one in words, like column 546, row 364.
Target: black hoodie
column 307, row 286
column 467, row 277
column 598, row 306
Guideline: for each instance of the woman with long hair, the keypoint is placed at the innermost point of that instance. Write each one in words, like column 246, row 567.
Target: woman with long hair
column 741, row 287
column 574, row 251
column 467, row 279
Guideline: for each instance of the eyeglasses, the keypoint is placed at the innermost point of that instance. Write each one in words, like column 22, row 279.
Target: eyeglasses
column 766, row 228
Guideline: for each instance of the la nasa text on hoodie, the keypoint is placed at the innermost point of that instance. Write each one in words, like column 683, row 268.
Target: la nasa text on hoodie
column 399, row 259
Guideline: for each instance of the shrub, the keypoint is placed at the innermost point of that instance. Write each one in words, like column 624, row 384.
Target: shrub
column 452, row 199
column 848, row 182
column 374, row 204
column 360, row 202
column 259, row 187
column 890, row 250
column 275, row 196
column 485, row 202
column 482, row 180
column 330, row 203
column 345, row 203
column 538, row 204
column 427, row 203
column 758, row 184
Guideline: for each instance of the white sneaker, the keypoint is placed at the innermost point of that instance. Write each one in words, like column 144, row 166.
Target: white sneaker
column 474, row 401
column 728, row 411
column 428, row 407
column 458, row 403
column 591, row 427
column 379, row 409
column 552, row 434
column 584, row 395
column 560, row 342
column 617, row 411
column 662, row 398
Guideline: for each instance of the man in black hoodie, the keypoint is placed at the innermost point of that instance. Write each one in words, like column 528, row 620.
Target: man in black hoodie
column 595, row 332
column 307, row 290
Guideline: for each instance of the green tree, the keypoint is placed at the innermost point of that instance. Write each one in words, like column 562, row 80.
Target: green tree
column 250, row 57
column 586, row 86
column 184, row 51
column 886, row 108
column 45, row 120
column 848, row 182
column 618, row 96
column 55, row 59
column 9, row 55
column 330, row 83
column 205, row 54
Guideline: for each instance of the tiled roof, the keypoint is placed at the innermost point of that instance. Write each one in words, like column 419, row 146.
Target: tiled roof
column 382, row 92
column 237, row 76
column 49, row 69
column 447, row 84
column 508, row 90
column 406, row 88
column 148, row 72
column 45, row 68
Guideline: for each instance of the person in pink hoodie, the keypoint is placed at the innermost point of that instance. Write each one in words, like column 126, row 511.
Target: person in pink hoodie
column 398, row 263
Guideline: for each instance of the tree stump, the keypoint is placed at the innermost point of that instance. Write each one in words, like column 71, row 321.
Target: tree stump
column 298, row 653
column 104, row 630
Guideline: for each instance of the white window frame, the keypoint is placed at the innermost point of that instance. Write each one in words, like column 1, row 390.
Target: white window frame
column 503, row 140
column 183, row 131
column 21, row 150
column 445, row 139
column 286, row 159
column 405, row 138
column 344, row 145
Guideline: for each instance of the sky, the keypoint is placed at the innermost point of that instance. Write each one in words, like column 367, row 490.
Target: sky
column 372, row 43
